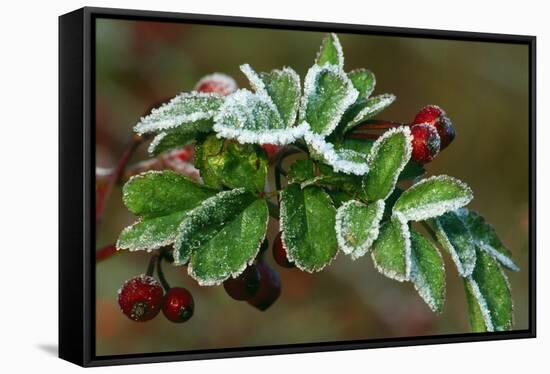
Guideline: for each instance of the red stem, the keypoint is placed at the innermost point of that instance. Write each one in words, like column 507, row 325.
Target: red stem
column 375, row 124
column 105, row 252
column 116, row 175
column 363, row 136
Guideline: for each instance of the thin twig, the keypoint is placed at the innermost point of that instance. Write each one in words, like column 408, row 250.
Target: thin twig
column 129, row 150
column 105, row 252
column 162, row 278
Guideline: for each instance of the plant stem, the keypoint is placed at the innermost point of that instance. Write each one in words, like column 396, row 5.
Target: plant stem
column 377, row 124
column 363, row 136
column 151, row 265
column 278, row 170
column 429, row 230
column 160, row 273
column 129, row 150
column 105, row 252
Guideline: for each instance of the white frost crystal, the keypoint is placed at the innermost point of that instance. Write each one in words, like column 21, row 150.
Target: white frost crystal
column 482, row 303
column 335, row 158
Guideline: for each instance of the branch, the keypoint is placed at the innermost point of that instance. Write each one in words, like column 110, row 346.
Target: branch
column 129, row 150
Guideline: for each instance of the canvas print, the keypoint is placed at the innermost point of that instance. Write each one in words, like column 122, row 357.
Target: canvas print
column 264, row 187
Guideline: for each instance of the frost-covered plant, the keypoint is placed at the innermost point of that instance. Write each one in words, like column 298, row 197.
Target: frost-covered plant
column 355, row 185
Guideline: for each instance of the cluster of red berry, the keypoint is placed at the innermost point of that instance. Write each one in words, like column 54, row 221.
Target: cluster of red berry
column 142, row 298
column 432, row 131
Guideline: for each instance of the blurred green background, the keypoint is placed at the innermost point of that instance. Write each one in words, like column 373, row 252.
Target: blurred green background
column 482, row 86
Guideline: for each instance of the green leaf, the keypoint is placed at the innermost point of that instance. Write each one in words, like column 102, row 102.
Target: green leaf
column 358, row 145
column 339, row 197
column 151, row 233
column 487, row 239
column 455, row 237
column 427, row 271
column 363, row 110
column 162, row 200
column 178, row 136
column 328, row 92
column 159, row 193
column 191, row 109
column 222, row 236
column 488, row 294
column 391, row 251
column 387, row 158
column 281, row 86
column 307, row 221
column 411, row 171
column 329, row 178
column 330, row 52
column 364, row 81
column 254, row 118
column 357, row 226
column 432, row 197
column 230, row 164
column 301, row 171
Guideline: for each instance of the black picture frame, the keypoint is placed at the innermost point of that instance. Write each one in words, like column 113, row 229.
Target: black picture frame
column 76, row 181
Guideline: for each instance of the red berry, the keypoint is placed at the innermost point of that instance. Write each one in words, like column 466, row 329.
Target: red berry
column 245, row 286
column 140, row 298
column 178, row 305
column 184, row 154
column 271, row 149
column 221, row 84
column 280, row 254
column 425, row 143
column 270, row 287
column 435, row 116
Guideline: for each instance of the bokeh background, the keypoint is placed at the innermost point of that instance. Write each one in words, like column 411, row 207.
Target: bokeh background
column 482, row 86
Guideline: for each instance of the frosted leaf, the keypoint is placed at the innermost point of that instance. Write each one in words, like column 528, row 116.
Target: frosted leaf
column 344, row 160
column 364, row 81
column 159, row 193
column 307, row 221
column 328, row 92
column 282, row 87
column 366, row 109
column 224, row 83
column 330, row 52
column 486, row 238
column 222, row 236
column 427, row 272
column 432, row 197
column 252, row 118
column 152, row 233
column 488, row 295
column 391, row 251
column 162, row 201
column 357, row 226
column 178, row 136
column 186, row 108
column 455, row 237
column 387, row 159
column 230, row 164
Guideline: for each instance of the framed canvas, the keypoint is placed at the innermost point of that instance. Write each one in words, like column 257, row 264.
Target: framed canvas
column 236, row 186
